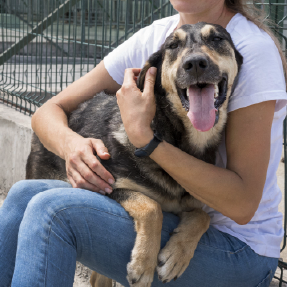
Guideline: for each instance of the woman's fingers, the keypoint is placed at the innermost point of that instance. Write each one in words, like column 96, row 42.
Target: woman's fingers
column 84, row 169
column 78, row 182
column 149, row 82
column 100, row 148
column 137, row 109
column 96, row 167
column 84, row 177
column 130, row 76
column 88, row 175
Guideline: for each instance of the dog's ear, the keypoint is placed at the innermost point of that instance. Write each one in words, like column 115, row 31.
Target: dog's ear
column 155, row 60
column 239, row 59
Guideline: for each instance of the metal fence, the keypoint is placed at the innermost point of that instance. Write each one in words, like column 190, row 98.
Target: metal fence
column 46, row 45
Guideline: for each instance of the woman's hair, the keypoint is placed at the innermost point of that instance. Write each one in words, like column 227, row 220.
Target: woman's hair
column 258, row 17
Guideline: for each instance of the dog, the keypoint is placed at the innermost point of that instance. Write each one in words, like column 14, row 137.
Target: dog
column 197, row 68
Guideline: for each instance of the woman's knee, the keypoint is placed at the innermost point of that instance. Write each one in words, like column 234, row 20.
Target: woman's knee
column 42, row 211
column 23, row 191
column 50, row 201
column 29, row 188
column 71, row 209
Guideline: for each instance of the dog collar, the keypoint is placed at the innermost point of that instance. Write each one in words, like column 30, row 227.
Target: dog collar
column 150, row 147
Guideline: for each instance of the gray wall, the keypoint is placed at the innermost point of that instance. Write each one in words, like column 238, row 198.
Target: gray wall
column 15, row 138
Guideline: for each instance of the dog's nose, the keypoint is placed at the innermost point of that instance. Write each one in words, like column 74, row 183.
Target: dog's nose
column 195, row 65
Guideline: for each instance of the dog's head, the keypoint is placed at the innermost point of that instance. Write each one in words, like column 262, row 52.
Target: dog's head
column 197, row 67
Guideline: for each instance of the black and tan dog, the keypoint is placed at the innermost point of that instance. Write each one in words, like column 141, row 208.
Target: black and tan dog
column 196, row 71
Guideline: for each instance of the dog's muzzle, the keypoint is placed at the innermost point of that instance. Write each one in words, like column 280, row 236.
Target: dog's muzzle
column 202, row 102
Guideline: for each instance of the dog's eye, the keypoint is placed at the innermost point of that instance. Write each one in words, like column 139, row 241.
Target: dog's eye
column 216, row 39
column 173, row 46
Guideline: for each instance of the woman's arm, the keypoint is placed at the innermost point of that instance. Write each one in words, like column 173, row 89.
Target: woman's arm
column 51, row 126
column 235, row 191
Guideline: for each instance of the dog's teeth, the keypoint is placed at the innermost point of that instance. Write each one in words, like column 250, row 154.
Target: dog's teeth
column 216, row 91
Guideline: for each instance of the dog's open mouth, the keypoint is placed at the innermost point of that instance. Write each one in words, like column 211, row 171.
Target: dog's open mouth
column 202, row 102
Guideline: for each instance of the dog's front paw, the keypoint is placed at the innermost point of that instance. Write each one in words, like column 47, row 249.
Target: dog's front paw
column 140, row 273
column 174, row 258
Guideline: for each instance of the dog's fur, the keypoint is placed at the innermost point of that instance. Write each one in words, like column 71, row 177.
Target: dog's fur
column 142, row 187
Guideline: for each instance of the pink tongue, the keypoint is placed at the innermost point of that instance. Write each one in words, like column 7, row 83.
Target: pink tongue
column 201, row 107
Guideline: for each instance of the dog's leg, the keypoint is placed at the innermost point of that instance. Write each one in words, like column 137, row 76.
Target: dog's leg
column 174, row 258
column 147, row 215
column 99, row 280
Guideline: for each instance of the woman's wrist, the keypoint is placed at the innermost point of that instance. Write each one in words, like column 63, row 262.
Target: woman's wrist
column 142, row 139
column 69, row 137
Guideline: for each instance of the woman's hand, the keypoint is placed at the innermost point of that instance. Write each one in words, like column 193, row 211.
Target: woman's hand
column 137, row 108
column 83, row 168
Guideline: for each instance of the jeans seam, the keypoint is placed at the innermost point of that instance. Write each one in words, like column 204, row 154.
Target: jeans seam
column 225, row 251
column 57, row 267
column 46, row 251
column 92, row 209
column 266, row 278
column 110, row 213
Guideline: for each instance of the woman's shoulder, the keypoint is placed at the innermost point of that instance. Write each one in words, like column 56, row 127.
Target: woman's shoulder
column 134, row 52
column 157, row 31
column 245, row 33
column 167, row 21
column 261, row 77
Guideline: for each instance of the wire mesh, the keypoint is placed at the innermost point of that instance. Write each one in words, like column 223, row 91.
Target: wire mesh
column 46, row 45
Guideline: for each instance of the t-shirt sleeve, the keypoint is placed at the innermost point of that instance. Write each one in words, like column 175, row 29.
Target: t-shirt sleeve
column 261, row 77
column 131, row 54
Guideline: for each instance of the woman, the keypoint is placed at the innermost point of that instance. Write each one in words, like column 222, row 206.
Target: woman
column 62, row 224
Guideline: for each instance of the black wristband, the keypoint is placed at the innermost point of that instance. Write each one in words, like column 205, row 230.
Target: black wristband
column 150, row 147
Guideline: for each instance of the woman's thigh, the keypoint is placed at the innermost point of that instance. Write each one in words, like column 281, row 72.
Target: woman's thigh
column 98, row 232
column 219, row 260
column 11, row 215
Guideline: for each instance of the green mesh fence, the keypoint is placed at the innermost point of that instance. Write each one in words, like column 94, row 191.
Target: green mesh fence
column 46, row 45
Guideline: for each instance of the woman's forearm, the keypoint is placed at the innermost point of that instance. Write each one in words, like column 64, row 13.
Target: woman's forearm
column 219, row 188
column 50, row 122
column 51, row 126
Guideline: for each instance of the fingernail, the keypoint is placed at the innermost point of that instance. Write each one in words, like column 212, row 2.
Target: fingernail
column 102, row 192
column 108, row 190
column 104, row 151
column 152, row 70
column 111, row 181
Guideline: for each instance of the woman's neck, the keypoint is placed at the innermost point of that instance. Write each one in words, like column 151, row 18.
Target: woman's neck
column 215, row 15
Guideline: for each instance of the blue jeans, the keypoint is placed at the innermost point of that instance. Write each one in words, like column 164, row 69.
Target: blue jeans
column 46, row 225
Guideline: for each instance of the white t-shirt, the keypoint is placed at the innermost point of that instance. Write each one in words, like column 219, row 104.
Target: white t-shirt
column 261, row 79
